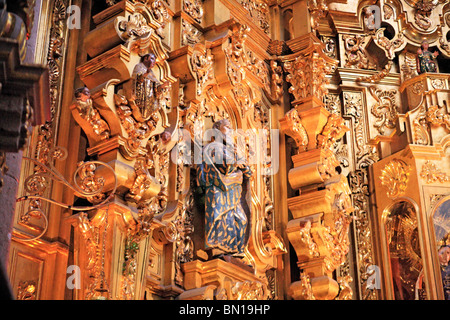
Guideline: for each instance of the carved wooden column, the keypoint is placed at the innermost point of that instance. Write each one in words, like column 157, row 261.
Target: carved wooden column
column 134, row 139
column 319, row 228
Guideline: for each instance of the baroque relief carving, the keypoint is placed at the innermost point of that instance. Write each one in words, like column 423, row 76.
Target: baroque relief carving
column 307, row 74
column 431, row 174
column 259, row 12
column 332, row 103
column 189, row 34
column 194, row 8
column 291, row 124
column 394, row 177
column 332, row 131
column 385, row 109
column 389, row 46
column 201, row 62
column 437, row 117
column 277, row 79
column 420, row 127
column 355, row 53
column 26, row 290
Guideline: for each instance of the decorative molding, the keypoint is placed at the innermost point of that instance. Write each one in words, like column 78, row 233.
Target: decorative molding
column 291, row 125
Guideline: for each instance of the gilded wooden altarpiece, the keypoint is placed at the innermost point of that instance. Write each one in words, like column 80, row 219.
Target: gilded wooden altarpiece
column 341, row 198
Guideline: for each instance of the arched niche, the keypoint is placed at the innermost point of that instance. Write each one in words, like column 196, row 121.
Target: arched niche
column 404, row 252
column 440, row 221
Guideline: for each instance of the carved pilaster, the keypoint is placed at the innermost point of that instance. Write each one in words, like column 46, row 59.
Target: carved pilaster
column 324, row 201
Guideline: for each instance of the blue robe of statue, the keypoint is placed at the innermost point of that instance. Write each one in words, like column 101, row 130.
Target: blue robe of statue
column 225, row 219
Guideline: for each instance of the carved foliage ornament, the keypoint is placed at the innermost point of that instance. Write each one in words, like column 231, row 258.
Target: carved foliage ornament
column 420, row 127
column 277, row 80
column 356, row 55
column 150, row 16
column 26, row 290
column 259, row 12
column 247, row 290
column 189, row 34
column 135, row 27
column 307, row 74
column 389, row 46
column 202, row 65
column 388, row 12
column 385, row 109
column 194, row 8
column 317, row 9
column 394, row 177
column 360, row 197
column 423, row 12
column 333, row 131
column 291, row 125
column 332, row 103
column 55, row 51
column 353, row 107
column 239, row 61
column 94, row 235
column 409, row 66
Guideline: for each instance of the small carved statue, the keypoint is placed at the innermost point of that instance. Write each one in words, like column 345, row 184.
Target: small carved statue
column 369, row 19
column 426, row 59
column 146, row 89
column 90, row 114
column 222, row 177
